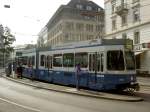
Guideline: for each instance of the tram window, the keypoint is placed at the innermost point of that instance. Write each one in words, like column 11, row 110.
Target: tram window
column 49, row 62
column 24, row 60
column 33, row 60
column 45, row 62
column 96, row 62
column 57, row 60
column 115, row 60
column 42, row 60
column 102, row 62
column 130, row 61
column 68, row 60
column 29, row 61
column 81, row 58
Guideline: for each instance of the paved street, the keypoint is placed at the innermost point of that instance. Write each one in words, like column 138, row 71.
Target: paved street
column 6, row 106
column 21, row 98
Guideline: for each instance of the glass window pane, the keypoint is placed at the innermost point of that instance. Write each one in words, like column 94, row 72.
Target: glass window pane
column 115, row 60
column 82, row 59
column 102, row 62
column 42, row 60
column 57, row 60
column 33, row 60
column 68, row 60
column 130, row 61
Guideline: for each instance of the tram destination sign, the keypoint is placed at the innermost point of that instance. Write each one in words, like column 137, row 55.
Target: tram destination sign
column 129, row 44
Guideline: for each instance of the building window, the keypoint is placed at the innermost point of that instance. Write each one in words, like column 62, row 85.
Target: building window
column 135, row 1
column 80, row 27
column 88, row 8
column 114, row 24
column 79, row 6
column 122, row 1
column 113, row 6
column 136, row 37
column 99, row 9
column 69, row 26
column 66, row 37
column 98, row 28
column 124, row 36
column 124, row 20
column 114, row 37
column 89, row 28
column 136, row 14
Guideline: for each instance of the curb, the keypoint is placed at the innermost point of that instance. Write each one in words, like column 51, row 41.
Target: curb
column 144, row 85
column 137, row 99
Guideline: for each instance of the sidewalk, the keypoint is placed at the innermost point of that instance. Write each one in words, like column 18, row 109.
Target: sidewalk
column 144, row 81
column 71, row 90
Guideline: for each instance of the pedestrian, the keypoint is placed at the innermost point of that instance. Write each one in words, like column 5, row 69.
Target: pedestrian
column 9, row 69
column 21, row 70
column 77, row 73
column 18, row 71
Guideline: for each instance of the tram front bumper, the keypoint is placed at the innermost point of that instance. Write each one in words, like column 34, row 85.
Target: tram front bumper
column 135, row 86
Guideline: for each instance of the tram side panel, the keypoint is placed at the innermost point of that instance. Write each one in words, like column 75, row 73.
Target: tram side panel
column 60, row 71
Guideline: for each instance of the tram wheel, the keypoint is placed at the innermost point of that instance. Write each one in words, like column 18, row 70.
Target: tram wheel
column 130, row 90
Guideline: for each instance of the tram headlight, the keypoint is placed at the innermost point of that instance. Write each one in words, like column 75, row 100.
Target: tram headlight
column 132, row 78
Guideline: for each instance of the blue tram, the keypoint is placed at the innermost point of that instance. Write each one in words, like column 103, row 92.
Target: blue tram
column 105, row 64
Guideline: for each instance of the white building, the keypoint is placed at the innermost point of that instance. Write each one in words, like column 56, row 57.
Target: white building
column 130, row 19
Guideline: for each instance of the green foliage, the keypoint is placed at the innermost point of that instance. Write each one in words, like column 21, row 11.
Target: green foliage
column 7, row 40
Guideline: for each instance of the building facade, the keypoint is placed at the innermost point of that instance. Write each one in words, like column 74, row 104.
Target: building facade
column 79, row 20
column 42, row 38
column 130, row 19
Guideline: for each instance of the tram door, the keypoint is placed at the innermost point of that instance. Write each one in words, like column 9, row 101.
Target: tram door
column 96, row 62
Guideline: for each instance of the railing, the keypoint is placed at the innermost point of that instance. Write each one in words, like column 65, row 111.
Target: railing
column 121, row 9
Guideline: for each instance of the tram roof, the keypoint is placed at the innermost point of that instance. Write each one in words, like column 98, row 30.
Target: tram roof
column 96, row 42
column 81, row 44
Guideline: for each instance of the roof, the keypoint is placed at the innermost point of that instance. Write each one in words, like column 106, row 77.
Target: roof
column 72, row 5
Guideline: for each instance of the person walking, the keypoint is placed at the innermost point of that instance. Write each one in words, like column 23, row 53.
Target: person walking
column 21, row 70
column 77, row 73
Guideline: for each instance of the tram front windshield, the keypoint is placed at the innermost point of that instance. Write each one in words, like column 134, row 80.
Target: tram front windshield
column 130, row 61
column 115, row 60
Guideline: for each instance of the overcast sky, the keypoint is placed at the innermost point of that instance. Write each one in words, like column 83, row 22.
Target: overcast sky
column 26, row 17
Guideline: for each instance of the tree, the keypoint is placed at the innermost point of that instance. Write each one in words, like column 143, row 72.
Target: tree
column 7, row 40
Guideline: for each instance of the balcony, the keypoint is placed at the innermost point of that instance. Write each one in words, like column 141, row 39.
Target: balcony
column 122, row 9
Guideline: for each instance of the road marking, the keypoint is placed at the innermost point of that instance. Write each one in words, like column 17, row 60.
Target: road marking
column 19, row 105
